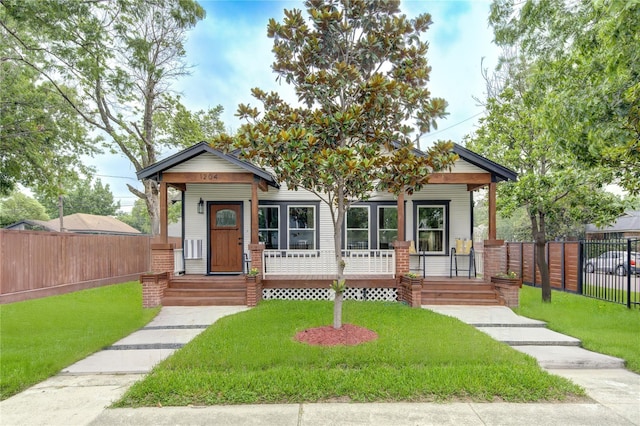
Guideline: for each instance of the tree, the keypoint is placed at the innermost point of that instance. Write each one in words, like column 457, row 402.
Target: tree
column 139, row 217
column 359, row 70
column 18, row 206
column 591, row 56
column 520, row 133
column 41, row 138
column 82, row 198
column 122, row 56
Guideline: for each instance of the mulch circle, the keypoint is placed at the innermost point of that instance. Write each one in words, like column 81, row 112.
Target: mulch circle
column 348, row 335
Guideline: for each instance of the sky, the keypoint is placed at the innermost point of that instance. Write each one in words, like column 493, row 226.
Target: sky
column 230, row 53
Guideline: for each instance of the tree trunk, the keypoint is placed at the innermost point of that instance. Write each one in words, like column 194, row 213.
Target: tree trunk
column 539, row 235
column 153, row 205
column 337, row 244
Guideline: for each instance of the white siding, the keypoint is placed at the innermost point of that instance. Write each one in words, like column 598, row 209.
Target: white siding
column 206, row 162
column 461, row 166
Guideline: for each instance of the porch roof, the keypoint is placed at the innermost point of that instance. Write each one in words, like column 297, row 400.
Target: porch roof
column 154, row 171
column 500, row 172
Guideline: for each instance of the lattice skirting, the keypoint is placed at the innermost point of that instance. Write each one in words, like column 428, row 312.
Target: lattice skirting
column 382, row 294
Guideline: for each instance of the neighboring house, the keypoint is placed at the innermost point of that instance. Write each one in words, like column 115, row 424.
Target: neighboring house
column 627, row 225
column 80, row 223
column 234, row 210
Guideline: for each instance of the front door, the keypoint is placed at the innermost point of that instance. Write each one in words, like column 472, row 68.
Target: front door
column 225, row 235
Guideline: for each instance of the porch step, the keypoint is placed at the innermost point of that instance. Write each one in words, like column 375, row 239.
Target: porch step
column 460, row 294
column 204, row 301
column 205, row 291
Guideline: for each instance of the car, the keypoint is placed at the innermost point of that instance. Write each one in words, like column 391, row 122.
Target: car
column 614, row 262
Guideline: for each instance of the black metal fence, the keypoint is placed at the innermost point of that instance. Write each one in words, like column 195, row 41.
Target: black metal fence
column 611, row 270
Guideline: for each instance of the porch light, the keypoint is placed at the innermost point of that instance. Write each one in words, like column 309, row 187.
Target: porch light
column 200, row 206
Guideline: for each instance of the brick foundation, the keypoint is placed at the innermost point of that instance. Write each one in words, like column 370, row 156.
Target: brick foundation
column 153, row 286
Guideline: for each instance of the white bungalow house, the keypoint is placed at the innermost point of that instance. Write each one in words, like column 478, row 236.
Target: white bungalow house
column 238, row 216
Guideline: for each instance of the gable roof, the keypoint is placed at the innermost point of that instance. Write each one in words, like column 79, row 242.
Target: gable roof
column 155, row 170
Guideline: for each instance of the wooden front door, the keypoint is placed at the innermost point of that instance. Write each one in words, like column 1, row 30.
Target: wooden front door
column 225, row 236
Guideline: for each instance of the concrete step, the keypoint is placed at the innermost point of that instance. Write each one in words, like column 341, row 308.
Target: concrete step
column 529, row 336
column 561, row 357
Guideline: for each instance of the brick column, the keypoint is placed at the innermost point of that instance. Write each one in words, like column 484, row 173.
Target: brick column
column 410, row 291
column 510, row 293
column 495, row 258
column 162, row 258
column 256, row 257
column 153, row 286
column 402, row 257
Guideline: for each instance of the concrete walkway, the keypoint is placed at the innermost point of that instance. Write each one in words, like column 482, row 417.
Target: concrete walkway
column 80, row 393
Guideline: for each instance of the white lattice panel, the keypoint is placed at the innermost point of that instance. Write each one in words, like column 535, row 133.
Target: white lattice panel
column 381, row 294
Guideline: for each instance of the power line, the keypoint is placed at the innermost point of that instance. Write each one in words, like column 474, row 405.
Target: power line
column 453, row 125
column 118, row 177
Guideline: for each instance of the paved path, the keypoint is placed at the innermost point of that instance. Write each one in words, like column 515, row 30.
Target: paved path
column 79, row 395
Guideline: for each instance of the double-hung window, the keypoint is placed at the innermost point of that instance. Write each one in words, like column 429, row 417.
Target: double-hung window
column 387, row 226
column 269, row 226
column 431, row 228
column 358, row 228
column 302, row 227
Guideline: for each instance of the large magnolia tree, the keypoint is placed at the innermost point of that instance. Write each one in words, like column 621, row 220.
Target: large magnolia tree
column 360, row 73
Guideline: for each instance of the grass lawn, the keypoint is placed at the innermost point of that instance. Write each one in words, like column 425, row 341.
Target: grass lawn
column 252, row 357
column 604, row 327
column 40, row 337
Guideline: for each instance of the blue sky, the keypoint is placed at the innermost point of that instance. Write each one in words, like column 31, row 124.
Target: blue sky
column 230, row 54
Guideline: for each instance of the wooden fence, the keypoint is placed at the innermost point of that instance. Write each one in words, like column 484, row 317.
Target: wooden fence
column 36, row 264
column 562, row 257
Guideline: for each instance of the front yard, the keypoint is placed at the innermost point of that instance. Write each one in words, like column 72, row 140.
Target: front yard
column 40, row 337
column 252, row 357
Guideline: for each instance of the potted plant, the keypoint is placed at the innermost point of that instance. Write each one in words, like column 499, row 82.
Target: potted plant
column 507, row 278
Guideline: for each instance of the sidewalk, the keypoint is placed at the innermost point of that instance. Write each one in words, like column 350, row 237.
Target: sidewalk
column 80, row 393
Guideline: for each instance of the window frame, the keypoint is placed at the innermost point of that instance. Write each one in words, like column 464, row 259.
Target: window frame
column 377, row 224
column 368, row 228
column 278, row 229
column 444, row 204
column 283, row 220
column 314, row 229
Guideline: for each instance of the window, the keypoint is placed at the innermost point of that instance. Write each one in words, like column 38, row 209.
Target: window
column 269, row 226
column 226, row 218
column 387, row 226
column 302, row 227
column 357, row 228
column 431, row 229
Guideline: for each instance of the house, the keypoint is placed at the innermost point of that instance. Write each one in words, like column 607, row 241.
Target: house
column 80, row 223
column 235, row 213
column 626, row 226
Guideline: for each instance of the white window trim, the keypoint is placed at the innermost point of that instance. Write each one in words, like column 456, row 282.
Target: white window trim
column 443, row 229
column 347, row 229
column 289, row 228
column 272, row 206
column 385, row 229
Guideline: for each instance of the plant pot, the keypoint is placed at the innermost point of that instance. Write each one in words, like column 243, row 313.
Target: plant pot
column 507, row 281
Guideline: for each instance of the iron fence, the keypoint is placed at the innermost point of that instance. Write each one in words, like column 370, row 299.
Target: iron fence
column 611, row 270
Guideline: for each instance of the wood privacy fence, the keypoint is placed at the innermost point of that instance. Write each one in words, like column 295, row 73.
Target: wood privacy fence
column 36, row 264
column 563, row 259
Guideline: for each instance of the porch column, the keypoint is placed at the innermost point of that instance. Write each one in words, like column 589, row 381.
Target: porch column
column 163, row 213
column 495, row 258
column 401, row 236
column 162, row 258
column 492, row 211
column 256, row 257
column 402, row 257
column 254, row 214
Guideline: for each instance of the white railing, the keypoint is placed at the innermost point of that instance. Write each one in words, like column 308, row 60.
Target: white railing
column 323, row 262
column 178, row 262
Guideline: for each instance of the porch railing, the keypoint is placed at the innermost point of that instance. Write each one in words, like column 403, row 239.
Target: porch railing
column 323, row 262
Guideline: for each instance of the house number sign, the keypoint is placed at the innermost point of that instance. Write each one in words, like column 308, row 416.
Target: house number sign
column 209, row 176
